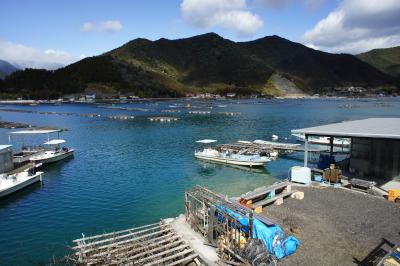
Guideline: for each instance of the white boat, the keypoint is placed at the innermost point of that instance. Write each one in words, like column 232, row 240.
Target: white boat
column 12, row 183
column 54, row 154
column 342, row 142
column 26, row 152
column 213, row 155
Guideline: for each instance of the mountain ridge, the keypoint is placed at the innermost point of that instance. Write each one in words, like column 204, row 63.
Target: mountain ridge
column 386, row 60
column 202, row 63
column 6, row 68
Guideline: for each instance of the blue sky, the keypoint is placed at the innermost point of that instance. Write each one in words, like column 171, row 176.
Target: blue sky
column 64, row 31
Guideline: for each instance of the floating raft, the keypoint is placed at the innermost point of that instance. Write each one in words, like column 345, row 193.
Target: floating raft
column 35, row 112
column 245, row 148
column 200, row 112
column 163, row 119
column 170, row 111
column 230, row 113
column 12, row 125
column 153, row 244
column 121, row 117
column 263, row 147
column 89, row 115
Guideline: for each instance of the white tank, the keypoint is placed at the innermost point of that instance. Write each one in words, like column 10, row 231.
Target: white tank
column 300, row 174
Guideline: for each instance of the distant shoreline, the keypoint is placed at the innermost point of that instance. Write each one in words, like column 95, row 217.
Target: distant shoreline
column 287, row 97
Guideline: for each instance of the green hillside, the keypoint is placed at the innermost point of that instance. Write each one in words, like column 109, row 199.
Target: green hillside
column 313, row 70
column 386, row 60
column 204, row 63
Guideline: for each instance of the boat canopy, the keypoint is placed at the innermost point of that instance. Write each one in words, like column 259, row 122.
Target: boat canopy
column 41, row 131
column 206, row 141
column 55, row 142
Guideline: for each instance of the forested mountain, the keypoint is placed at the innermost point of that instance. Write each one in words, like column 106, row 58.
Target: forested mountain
column 204, row 63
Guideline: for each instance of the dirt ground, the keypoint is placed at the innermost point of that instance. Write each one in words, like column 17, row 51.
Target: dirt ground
column 336, row 226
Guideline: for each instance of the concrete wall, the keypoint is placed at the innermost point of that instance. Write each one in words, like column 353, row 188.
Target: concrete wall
column 375, row 157
column 6, row 162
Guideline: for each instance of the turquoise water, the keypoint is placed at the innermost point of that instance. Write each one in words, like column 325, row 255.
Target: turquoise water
column 130, row 173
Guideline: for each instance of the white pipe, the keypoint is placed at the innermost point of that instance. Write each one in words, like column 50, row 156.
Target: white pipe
column 305, row 150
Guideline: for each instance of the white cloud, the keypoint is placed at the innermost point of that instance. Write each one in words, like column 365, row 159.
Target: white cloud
column 277, row 4
column 103, row 26
column 357, row 26
column 281, row 4
column 88, row 26
column 25, row 56
column 230, row 15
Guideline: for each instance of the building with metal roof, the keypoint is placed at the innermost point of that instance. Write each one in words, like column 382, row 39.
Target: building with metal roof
column 6, row 160
column 375, row 145
column 384, row 128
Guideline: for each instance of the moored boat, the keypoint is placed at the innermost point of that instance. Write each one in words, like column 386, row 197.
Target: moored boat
column 213, row 155
column 342, row 142
column 54, row 154
column 12, row 183
column 23, row 156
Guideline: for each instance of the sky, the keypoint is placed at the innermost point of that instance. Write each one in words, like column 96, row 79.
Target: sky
column 50, row 34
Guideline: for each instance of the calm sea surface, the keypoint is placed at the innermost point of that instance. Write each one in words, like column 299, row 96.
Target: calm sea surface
column 130, row 173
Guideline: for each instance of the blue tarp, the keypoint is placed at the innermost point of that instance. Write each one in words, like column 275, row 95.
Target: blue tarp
column 273, row 236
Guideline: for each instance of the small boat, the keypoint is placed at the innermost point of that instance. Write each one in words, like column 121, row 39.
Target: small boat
column 23, row 156
column 12, row 183
column 213, row 155
column 54, row 154
column 342, row 142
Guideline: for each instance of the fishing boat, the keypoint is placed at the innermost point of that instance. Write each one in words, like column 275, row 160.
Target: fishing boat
column 342, row 142
column 27, row 151
column 25, row 154
column 53, row 154
column 213, row 155
column 10, row 183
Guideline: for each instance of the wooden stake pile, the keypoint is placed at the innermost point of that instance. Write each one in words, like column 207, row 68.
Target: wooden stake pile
column 153, row 244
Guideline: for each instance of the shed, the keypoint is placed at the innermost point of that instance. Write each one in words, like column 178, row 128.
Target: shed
column 6, row 160
column 374, row 149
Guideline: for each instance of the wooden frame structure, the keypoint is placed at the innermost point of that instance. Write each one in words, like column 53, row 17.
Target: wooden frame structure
column 263, row 196
column 153, row 244
column 211, row 214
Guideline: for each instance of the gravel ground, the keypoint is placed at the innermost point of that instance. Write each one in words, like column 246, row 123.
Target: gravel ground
column 336, row 226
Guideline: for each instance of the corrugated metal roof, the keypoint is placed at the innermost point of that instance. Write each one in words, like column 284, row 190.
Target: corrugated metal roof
column 388, row 128
column 3, row 147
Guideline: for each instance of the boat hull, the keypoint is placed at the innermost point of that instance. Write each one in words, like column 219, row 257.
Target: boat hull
column 231, row 161
column 53, row 159
column 23, row 184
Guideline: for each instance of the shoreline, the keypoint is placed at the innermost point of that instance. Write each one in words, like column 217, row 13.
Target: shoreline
column 286, row 97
